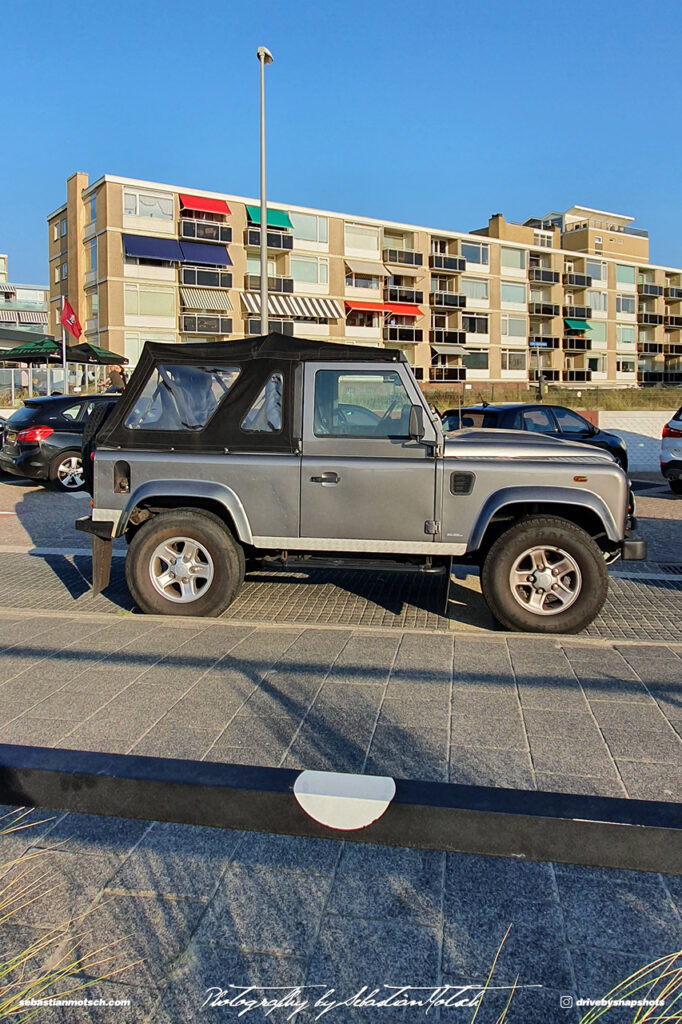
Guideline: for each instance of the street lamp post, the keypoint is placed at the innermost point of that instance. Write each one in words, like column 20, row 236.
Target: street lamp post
column 264, row 57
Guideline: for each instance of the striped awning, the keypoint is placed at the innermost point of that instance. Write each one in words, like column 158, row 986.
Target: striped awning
column 294, row 305
column 8, row 289
column 205, row 298
column 32, row 317
column 8, row 316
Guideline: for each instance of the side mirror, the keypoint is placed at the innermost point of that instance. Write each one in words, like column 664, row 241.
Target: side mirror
column 416, row 423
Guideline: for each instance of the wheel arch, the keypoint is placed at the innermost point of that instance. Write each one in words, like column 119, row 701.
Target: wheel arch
column 219, row 499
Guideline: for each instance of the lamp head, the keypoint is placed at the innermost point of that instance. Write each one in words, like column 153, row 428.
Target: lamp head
column 264, row 54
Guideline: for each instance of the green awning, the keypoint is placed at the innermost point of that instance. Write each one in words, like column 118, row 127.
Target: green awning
column 87, row 353
column 276, row 218
column 578, row 325
column 40, row 349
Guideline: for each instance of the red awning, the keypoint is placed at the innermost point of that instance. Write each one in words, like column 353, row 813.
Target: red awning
column 403, row 309
column 372, row 307
column 203, row 204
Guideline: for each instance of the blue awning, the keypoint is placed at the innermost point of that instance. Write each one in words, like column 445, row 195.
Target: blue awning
column 148, row 248
column 204, row 252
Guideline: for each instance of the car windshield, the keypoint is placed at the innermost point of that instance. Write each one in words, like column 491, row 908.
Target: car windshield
column 179, row 397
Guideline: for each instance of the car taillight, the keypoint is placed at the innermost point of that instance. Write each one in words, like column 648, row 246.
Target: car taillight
column 34, row 434
column 669, row 431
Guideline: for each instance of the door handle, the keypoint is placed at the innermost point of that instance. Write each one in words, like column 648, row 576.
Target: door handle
column 326, row 478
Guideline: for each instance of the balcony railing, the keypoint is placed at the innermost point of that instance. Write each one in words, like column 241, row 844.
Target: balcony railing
column 447, row 373
column 650, row 376
column 673, row 321
column 205, row 277
column 203, row 323
column 654, row 319
column 577, row 280
column 650, row 289
column 447, row 300
column 673, row 294
column 652, row 348
column 205, row 230
column 400, row 294
column 543, row 276
column 275, row 239
column 546, row 374
column 452, row 263
column 672, row 377
column 543, row 341
column 673, row 349
column 543, row 309
column 408, row 257
column 441, row 336
column 283, row 326
column 578, row 312
column 576, row 376
column 574, row 344
column 275, row 284
column 406, row 334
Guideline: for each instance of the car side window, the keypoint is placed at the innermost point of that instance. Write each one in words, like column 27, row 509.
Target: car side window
column 265, row 415
column 73, row 412
column 570, row 422
column 538, row 420
column 364, row 403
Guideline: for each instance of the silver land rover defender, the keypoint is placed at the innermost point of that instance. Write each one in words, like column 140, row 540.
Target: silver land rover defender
column 277, row 448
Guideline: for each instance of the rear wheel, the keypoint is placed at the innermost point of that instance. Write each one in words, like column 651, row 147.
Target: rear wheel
column 66, row 472
column 544, row 575
column 675, row 486
column 184, row 562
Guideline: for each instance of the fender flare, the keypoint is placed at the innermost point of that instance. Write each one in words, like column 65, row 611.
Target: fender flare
column 549, row 495
column 187, row 491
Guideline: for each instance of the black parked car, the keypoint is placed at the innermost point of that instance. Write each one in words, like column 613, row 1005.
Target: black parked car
column 42, row 440
column 554, row 420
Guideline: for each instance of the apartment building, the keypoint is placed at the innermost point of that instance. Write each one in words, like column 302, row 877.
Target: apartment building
column 571, row 296
column 23, row 307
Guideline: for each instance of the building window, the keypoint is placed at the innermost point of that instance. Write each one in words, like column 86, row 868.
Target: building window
column 599, row 301
column 542, row 239
column 91, row 255
column 91, row 209
column 439, row 246
column 475, row 252
column 309, row 270
column 475, row 324
column 55, row 231
column 310, row 228
column 361, row 236
column 512, row 258
column 625, row 303
column 146, row 204
column 141, row 301
column 513, row 359
column 625, row 275
column 57, row 273
column 92, row 303
column 625, row 334
column 62, row 227
column 597, row 330
column 64, row 272
column 475, row 360
column 474, row 288
column 362, row 318
column 596, row 269
column 512, row 292
column 625, row 366
column 596, row 364
column 362, row 281
column 513, row 327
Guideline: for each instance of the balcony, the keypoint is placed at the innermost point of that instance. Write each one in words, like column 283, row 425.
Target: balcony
column 577, row 281
column 673, row 349
column 651, row 348
column 275, row 239
column 650, row 376
column 407, row 257
column 204, row 323
column 672, row 322
column 653, row 319
column 447, row 300
column 578, row 312
column 650, row 289
column 543, row 341
column 275, row 284
column 449, row 374
column 253, row 326
column 453, row 264
column 542, row 276
column 442, row 336
column 204, row 277
column 205, row 230
column 574, row 344
column 410, row 335
column 576, row 376
column 673, row 294
column 400, row 294
column 543, row 309
column 674, row 377
column 546, row 374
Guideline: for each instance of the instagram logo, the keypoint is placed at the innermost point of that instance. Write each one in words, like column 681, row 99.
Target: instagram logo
column 565, row 1002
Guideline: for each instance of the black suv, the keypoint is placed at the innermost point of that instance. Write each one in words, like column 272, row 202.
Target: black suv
column 552, row 420
column 42, row 440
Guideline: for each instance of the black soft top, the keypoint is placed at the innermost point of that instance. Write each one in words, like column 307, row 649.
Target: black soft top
column 256, row 359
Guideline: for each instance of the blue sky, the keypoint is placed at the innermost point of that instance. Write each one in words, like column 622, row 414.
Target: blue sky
column 435, row 114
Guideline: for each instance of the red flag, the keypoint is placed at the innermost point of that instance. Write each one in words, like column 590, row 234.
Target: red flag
column 69, row 320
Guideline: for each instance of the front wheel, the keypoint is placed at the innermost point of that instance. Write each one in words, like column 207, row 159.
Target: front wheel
column 544, row 575
column 184, row 562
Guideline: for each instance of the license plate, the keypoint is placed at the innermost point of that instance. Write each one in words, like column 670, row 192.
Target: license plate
column 11, row 436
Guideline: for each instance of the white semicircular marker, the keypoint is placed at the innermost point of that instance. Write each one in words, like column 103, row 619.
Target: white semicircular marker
column 343, row 801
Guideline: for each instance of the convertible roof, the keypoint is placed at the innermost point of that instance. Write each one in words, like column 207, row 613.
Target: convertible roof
column 270, row 346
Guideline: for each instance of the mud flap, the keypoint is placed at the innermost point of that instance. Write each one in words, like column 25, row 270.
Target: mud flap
column 445, row 595
column 101, row 564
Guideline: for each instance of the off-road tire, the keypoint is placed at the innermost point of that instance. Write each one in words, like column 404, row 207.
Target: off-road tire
column 675, row 486
column 213, row 535
column 92, row 425
column 553, row 532
column 55, row 467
